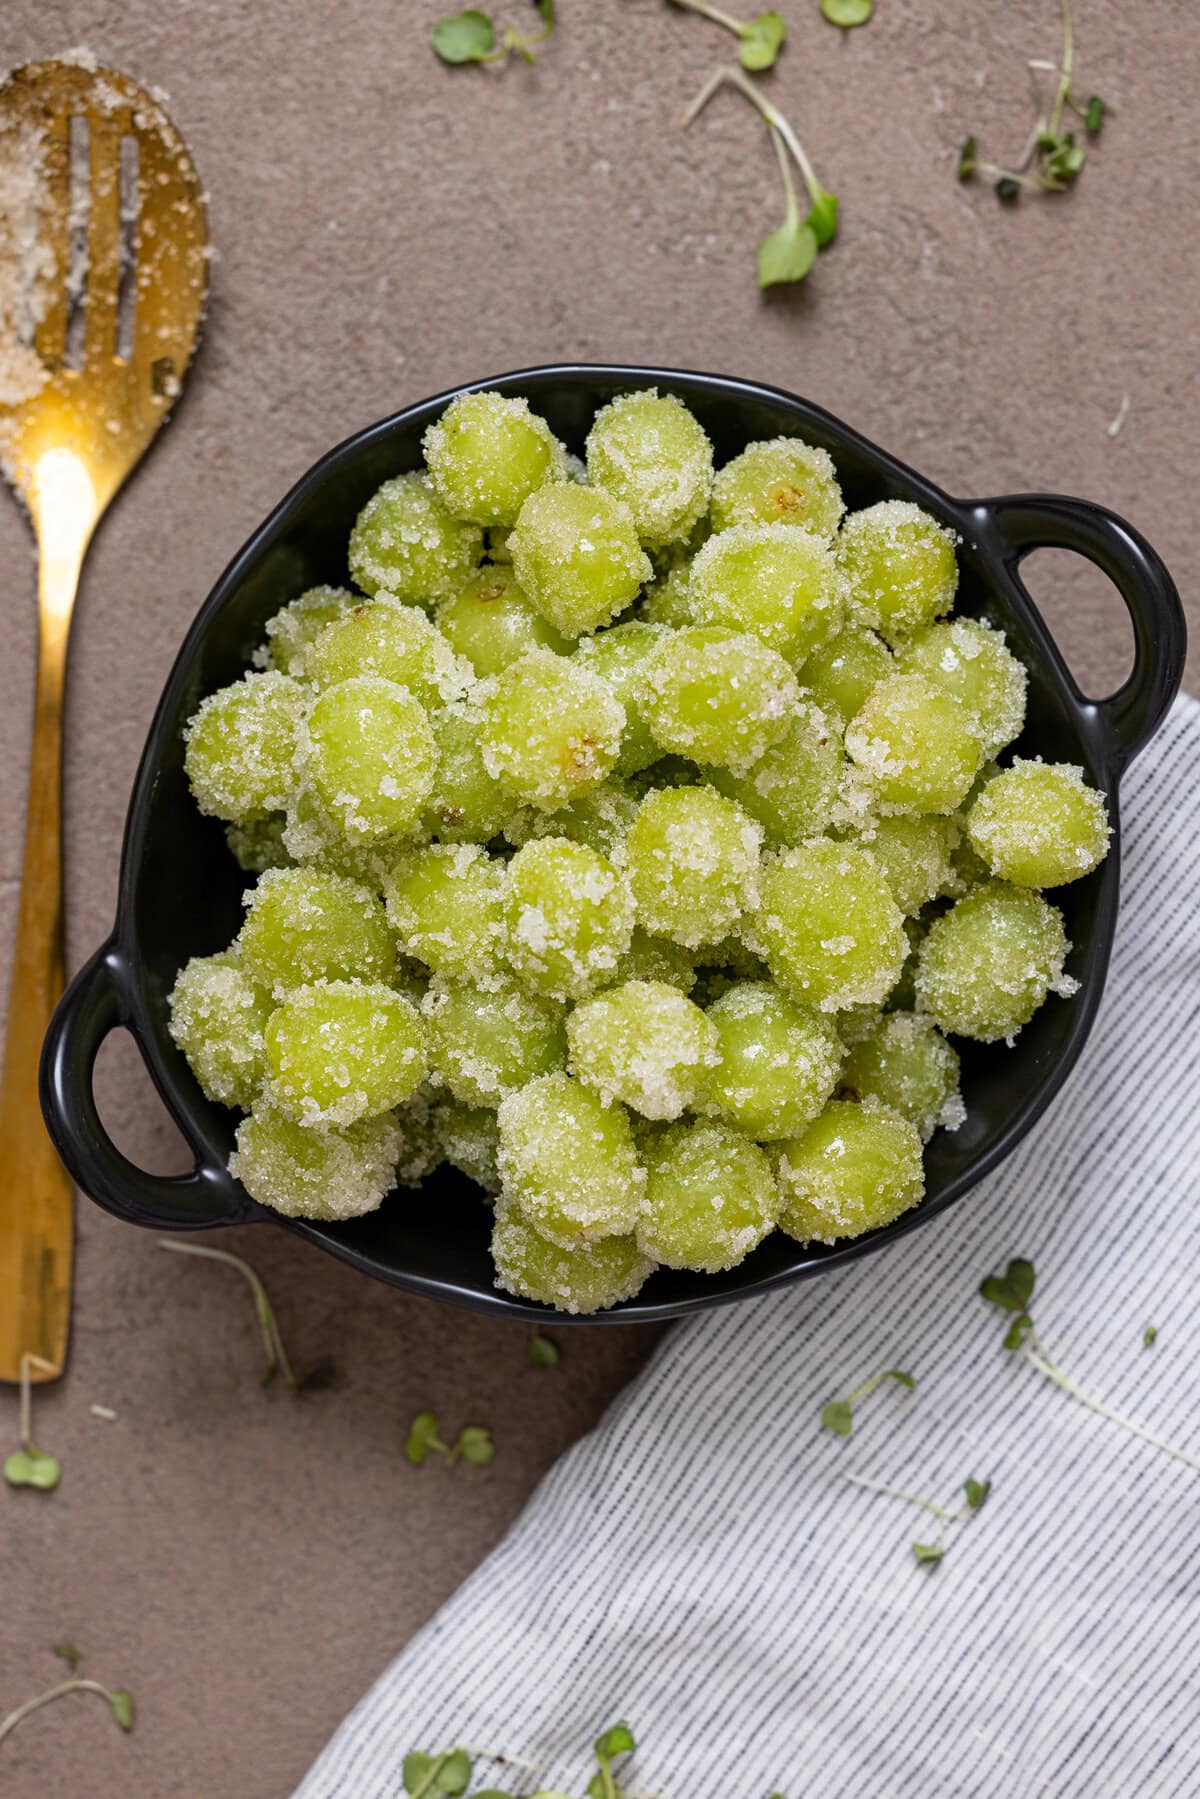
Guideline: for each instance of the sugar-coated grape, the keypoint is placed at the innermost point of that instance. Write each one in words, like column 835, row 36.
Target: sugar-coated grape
column 388, row 638
column 338, row 1051
column 827, row 924
column 856, row 1168
column 295, row 626
column 551, row 729
column 971, row 661
column 470, row 1138
column 315, row 1171
column 900, row 567
column 903, row 996
column 491, row 622
column 710, row 1198
column 776, row 581
column 258, row 844
column 600, row 818
column 667, row 600
column 987, row 964
column 692, row 861
column 569, row 1161
column 841, row 673
column 618, row 656
column 306, row 924
column 904, row 1061
column 445, row 904
column 241, row 747
column 718, row 696
column 487, row 1042
column 793, row 788
column 651, row 958
column 370, row 755
column 1039, row 824
column 218, row 1013
column 311, row 834
column 916, row 745
column 575, row 552
column 649, row 451
column 778, row 1063
column 420, row 1147
column 779, row 481
column 467, row 805
column 568, row 917
column 644, row 1044
column 487, row 453
column 405, row 542
column 916, row 855
column 589, row 1277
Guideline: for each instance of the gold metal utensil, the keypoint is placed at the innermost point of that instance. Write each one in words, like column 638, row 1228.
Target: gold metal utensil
column 103, row 275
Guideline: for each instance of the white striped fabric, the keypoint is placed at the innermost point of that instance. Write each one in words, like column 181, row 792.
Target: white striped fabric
column 699, row 1566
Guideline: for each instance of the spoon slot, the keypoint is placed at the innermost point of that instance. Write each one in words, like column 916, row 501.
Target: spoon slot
column 104, row 235
column 79, row 206
column 128, row 246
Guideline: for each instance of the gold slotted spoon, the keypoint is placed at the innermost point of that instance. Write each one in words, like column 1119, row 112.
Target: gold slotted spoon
column 116, row 256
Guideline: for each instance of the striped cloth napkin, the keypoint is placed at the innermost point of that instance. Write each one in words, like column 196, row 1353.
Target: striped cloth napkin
column 701, row 1567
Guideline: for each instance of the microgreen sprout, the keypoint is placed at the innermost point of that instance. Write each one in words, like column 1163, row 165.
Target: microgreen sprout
column 1150, row 1336
column 847, row 13
column 1052, row 158
column 118, row 1699
column 474, row 1443
column 450, row 1772
column 838, row 1415
column 543, row 1351
column 616, row 1740
column 470, row 36
column 323, row 1375
column 759, row 39
column 30, row 1466
column 788, row 253
column 930, row 1554
column 1012, row 1291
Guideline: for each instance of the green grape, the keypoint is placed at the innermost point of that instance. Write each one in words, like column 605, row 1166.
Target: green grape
column 315, row 1172
column 470, row 1139
column 218, row 1013
column 903, row 996
column 568, row 917
column 420, row 1148
column 987, row 964
column 644, row 1044
column 970, row 661
column 338, row 1051
column 718, row 696
column 311, row 835
column 487, row 453
column 915, row 744
column 710, row 1198
column 589, row 1277
column 651, row 958
column 295, row 627
column 304, row 924
column 468, row 805
column 827, row 924
column 551, row 729
column 392, row 640
column 445, row 905
column 916, row 856
column 855, row 1169
column 666, row 601
column 905, row 1062
column 618, row 656
column 576, row 554
column 776, row 581
column 793, row 788
column 779, row 481
column 648, row 450
column 487, row 1042
column 841, row 674
column 405, row 542
column 1039, row 824
column 692, row 862
column 569, row 1161
column 370, row 755
column 778, row 1062
column 491, row 623
column 241, row 747
column 258, row 844
column 600, row 818
column 900, row 566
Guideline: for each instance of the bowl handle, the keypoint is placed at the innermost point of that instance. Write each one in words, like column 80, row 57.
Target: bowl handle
column 93, row 1005
column 1132, row 714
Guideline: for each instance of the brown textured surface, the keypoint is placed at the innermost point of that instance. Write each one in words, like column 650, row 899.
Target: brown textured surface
column 244, row 1561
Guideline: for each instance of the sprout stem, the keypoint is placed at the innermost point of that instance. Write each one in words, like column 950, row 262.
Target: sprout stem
column 29, row 1362
column 75, row 1685
column 1035, row 1354
column 272, row 1341
column 793, row 218
column 776, row 119
column 715, row 14
column 879, row 1486
column 1068, row 64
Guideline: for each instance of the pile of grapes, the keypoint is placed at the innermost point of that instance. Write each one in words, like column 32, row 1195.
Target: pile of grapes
column 630, row 837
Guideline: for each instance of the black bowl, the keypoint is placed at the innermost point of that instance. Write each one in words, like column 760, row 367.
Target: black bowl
column 181, row 893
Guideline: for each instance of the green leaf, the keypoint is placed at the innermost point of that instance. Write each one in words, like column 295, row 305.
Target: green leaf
column 1014, row 1288
column 788, row 254
column 838, row 1416
column 543, row 1352
column 847, row 13
column 595, row 1787
column 928, row 1552
column 422, row 1437
column 68, row 1653
column 906, row 1380
column 762, row 40
column 454, row 1776
column 1014, row 1336
column 1008, row 188
column 121, row 1705
column 416, row 1768
column 1150, row 1336
column 463, row 37
column 976, row 1492
column 968, row 159
column 1093, row 113
column 616, row 1740
column 546, row 12
column 822, row 218
column 475, row 1445
column 30, row 1468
